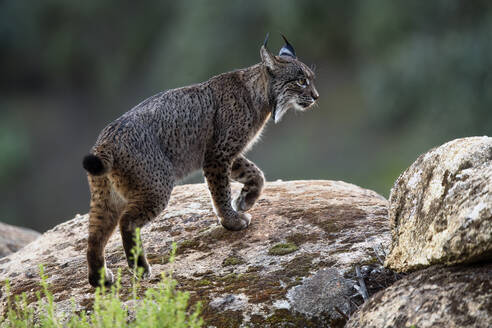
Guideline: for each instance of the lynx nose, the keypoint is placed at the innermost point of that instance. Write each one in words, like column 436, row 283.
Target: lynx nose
column 315, row 94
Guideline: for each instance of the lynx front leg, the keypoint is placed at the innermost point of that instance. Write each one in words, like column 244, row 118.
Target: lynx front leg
column 218, row 183
column 247, row 173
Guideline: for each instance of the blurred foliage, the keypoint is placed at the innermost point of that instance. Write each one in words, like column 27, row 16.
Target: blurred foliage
column 395, row 78
column 14, row 145
column 434, row 64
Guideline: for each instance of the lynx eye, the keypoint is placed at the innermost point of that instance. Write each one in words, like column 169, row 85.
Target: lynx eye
column 302, row 82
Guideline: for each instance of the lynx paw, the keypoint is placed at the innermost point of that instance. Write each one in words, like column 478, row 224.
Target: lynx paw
column 147, row 274
column 245, row 201
column 95, row 278
column 143, row 267
column 238, row 222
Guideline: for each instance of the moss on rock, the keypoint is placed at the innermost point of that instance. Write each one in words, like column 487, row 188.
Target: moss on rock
column 204, row 282
column 186, row 245
column 301, row 238
column 283, row 249
column 232, row 260
column 229, row 319
column 285, row 318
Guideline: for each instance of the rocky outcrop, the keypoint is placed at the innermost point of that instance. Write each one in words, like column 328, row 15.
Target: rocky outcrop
column 441, row 207
column 447, row 297
column 293, row 267
column 13, row 238
column 440, row 213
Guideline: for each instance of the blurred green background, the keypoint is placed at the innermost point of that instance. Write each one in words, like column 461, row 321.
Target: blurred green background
column 395, row 78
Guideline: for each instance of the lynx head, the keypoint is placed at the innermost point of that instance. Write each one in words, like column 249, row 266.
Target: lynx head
column 292, row 82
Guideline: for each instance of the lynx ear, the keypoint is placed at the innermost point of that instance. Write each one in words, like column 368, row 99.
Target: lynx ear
column 287, row 49
column 266, row 56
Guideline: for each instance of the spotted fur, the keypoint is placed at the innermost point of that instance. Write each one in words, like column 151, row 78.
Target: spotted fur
column 137, row 159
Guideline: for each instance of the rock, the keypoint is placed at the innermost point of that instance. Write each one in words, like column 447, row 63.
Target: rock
column 448, row 297
column 324, row 290
column 441, row 207
column 290, row 268
column 13, row 238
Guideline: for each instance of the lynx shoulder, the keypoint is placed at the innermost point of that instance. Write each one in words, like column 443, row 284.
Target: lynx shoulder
column 138, row 158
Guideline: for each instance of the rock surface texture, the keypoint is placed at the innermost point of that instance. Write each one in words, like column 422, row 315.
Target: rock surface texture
column 293, row 267
column 447, row 297
column 441, row 207
column 13, row 238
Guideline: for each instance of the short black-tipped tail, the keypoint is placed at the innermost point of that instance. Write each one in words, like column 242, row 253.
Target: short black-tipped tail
column 94, row 165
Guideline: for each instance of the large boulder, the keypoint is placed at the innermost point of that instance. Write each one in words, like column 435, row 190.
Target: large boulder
column 13, row 238
column 447, row 297
column 293, row 267
column 441, row 207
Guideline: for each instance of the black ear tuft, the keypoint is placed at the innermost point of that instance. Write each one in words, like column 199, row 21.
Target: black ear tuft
column 287, row 49
column 266, row 39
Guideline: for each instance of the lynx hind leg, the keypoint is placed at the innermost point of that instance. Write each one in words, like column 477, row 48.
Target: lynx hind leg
column 247, row 173
column 146, row 199
column 105, row 208
column 217, row 177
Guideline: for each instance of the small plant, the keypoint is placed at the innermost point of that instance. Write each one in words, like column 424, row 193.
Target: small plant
column 161, row 306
